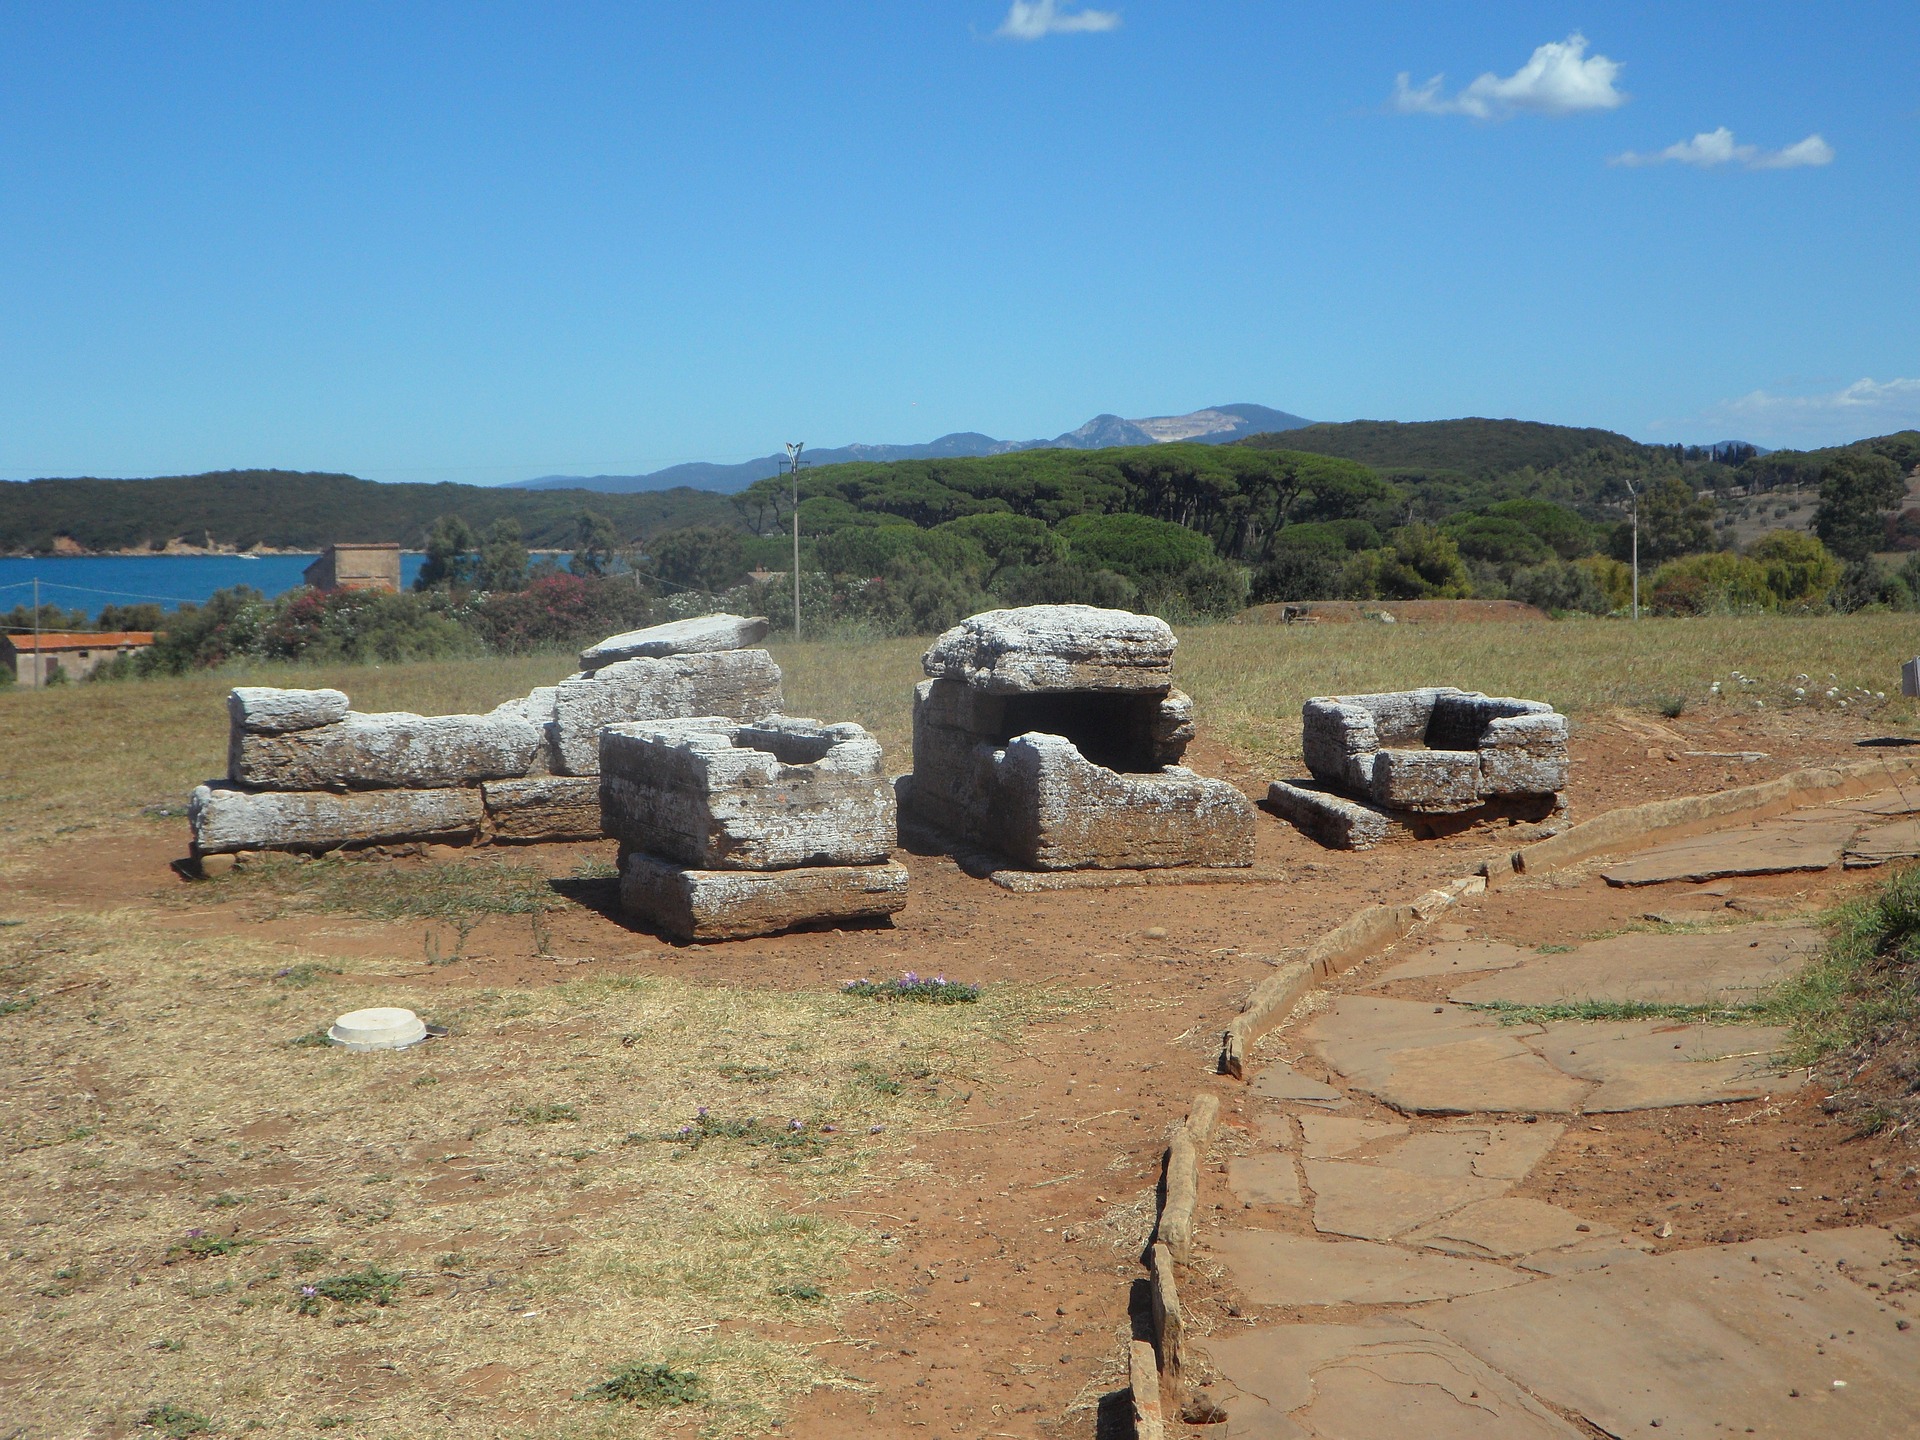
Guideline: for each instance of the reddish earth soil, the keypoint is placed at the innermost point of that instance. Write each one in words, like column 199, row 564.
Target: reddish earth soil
column 1018, row 1256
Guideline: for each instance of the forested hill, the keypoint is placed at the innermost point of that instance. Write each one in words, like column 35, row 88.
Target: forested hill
column 1474, row 447
column 294, row 510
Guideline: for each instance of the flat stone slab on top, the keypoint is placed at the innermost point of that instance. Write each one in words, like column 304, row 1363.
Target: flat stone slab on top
column 700, row 635
column 1055, row 647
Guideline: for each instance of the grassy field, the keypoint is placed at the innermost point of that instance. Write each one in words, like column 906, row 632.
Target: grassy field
column 591, row 1208
column 217, row 1220
column 79, row 757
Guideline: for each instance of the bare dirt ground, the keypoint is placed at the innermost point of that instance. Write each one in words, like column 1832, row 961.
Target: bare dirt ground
column 1015, row 1255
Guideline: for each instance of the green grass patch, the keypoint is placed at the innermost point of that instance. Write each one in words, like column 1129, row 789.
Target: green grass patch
column 1512, row 1013
column 205, row 1247
column 543, row 1114
column 176, row 1422
column 371, row 1286
column 652, row 1387
column 1863, row 993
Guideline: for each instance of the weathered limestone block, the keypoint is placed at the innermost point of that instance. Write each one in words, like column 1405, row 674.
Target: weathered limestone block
column 264, row 710
column 551, row 807
column 698, row 636
column 739, row 684
column 1436, row 749
column 225, row 819
column 1055, row 647
column 1434, row 780
column 1052, row 809
column 772, row 795
column 1333, row 820
column 393, row 749
column 734, row 904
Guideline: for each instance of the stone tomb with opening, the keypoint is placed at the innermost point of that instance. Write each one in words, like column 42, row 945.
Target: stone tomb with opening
column 1052, row 735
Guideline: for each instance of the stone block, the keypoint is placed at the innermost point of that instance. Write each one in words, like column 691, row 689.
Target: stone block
column 773, row 795
column 394, row 749
column 551, row 807
column 1506, row 771
column 1052, row 809
column 690, row 904
column 1055, row 647
column 701, row 635
column 1332, row 820
column 738, row 684
column 226, row 819
column 263, row 710
column 1432, row 780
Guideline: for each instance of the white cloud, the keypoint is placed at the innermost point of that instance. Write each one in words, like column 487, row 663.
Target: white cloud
column 1866, row 407
column 1560, row 78
column 1717, row 147
column 1036, row 19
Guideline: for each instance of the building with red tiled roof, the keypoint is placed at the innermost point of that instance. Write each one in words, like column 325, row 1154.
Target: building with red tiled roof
column 74, row 654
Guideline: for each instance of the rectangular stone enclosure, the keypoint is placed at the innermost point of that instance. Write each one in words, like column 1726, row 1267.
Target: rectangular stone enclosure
column 1052, row 735
column 728, row 830
column 720, row 795
column 1436, row 749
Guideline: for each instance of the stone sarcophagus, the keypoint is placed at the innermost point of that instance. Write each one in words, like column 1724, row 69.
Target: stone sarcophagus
column 1416, row 757
column 306, row 772
column 731, row 829
column 1052, row 735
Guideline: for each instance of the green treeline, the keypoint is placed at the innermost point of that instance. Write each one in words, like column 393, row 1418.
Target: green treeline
column 286, row 509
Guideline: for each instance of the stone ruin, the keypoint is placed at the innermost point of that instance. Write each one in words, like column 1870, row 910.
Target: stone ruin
column 306, row 773
column 1052, row 735
column 729, row 830
column 1424, row 761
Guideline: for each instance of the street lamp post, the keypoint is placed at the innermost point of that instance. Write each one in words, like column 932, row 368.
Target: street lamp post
column 1635, row 497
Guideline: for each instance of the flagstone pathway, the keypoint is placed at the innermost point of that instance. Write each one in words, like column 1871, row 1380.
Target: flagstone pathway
column 1396, row 1284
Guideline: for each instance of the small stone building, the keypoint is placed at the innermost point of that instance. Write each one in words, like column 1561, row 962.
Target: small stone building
column 74, row 655
column 1051, row 735
column 356, row 567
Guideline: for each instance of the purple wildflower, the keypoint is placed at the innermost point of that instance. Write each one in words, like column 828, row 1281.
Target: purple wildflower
column 195, row 1234
column 309, row 1291
column 701, row 1112
column 796, row 1125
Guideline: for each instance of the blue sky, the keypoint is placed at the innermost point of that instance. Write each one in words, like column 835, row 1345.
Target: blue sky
column 480, row 242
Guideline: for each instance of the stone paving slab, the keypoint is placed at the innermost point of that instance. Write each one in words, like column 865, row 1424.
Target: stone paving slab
column 1270, row 1268
column 1491, row 1152
column 1377, row 1202
column 1899, row 840
column 1668, row 969
column 1459, row 957
column 1268, row 1179
column 1370, row 1382
column 1427, row 1059
column 1722, row 1340
column 1328, row 1137
column 1280, row 1081
column 1505, row 1227
column 1812, row 840
column 1653, row 1064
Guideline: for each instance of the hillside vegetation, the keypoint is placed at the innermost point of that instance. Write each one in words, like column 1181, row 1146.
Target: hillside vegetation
column 286, row 509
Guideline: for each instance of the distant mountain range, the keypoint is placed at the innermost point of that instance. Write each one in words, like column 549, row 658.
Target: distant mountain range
column 1215, row 425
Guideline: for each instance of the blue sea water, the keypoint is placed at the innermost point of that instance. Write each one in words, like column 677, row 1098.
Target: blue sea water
column 88, row 582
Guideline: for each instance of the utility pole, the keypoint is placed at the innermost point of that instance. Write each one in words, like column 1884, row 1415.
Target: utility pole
column 1635, row 495
column 794, row 447
column 39, row 660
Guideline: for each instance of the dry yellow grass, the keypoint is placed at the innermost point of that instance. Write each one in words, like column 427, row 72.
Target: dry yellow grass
column 526, row 1177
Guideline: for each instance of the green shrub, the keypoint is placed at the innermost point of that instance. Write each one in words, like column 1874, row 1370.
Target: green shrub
column 1148, row 552
column 1720, row 583
column 1799, row 569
